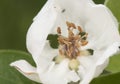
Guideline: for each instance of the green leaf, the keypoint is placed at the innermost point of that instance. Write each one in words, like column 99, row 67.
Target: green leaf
column 99, row 1
column 9, row 75
column 107, row 79
column 114, row 6
column 114, row 65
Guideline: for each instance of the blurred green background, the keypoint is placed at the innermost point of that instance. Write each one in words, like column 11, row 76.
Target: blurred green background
column 15, row 19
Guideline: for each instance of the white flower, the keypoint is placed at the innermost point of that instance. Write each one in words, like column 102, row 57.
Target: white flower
column 72, row 62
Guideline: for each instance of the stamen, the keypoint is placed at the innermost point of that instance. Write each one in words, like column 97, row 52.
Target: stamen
column 70, row 46
column 71, row 34
column 69, row 25
column 58, row 59
column 58, row 30
column 87, row 52
column 80, row 29
column 83, row 43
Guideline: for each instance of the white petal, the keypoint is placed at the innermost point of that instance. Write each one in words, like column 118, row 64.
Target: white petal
column 59, row 74
column 40, row 28
column 101, row 26
column 26, row 69
column 74, row 11
column 96, row 20
column 46, row 57
column 110, row 51
column 93, row 66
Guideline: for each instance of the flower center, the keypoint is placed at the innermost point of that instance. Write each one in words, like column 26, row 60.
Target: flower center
column 70, row 46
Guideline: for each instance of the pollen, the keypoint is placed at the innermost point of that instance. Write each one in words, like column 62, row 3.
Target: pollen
column 70, row 46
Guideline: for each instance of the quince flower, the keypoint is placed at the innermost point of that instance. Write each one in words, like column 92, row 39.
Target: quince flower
column 87, row 36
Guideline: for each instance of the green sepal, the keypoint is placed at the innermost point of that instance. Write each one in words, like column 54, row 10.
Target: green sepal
column 99, row 1
column 53, row 40
column 74, row 82
column 82, row 33
column 91, row 51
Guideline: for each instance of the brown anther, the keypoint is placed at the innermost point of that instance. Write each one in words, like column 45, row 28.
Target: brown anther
column 59, row 30
column 70, row 46
column 69, row 25
column 73, row 25
column 84, row 43
column 80, row 29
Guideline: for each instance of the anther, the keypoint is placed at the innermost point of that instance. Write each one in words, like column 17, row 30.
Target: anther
column 70, row 25
column 80, row 29
column 84, row 43
column 59, row 30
